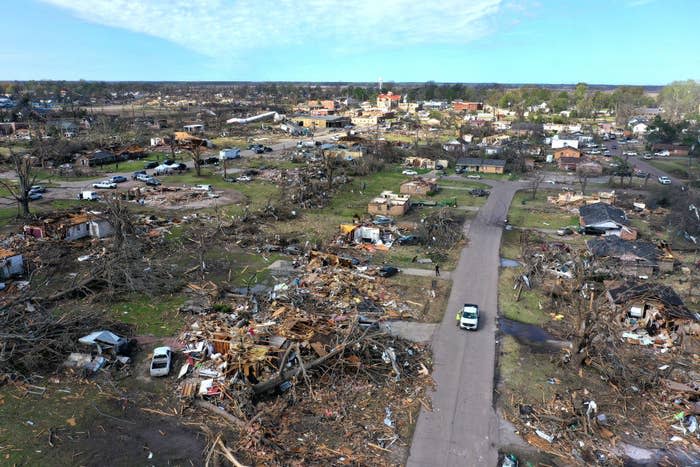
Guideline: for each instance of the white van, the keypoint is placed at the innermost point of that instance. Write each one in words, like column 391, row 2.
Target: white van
column 88, row 195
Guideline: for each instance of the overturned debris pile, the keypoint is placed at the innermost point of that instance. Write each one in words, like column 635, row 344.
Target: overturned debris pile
column 306, row 374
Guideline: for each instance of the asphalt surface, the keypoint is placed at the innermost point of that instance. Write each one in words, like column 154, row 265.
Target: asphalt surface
column 462, row 428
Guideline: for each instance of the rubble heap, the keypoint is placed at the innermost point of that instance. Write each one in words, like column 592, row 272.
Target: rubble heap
column 306, row 374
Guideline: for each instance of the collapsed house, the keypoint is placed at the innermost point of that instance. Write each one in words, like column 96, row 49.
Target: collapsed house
column 425, row 163
column 314, row 339
column 419, row 186
column 631, row 258
column 570, row 198
column 653, row 313
column 71, row 227
column 367, row 234
column 389, row 203
column 604, row 219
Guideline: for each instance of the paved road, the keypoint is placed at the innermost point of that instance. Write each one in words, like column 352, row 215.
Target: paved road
column 462, row 429
column 644, row 166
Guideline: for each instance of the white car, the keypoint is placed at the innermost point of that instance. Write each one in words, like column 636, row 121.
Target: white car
column 202, row 187
column 469, row 317
column 161, row 361
column 104, row 184
column 662, row 153
column 409, row 172
column 476, row 177
column 664, row 180
column 244, row 178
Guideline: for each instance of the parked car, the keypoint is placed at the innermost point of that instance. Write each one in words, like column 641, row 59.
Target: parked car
column 152, row 181
column 34, row 196
column 388, row 271
column 647, row 156
column 641, row 174
column 37, row 189
column 478, row 192
column 168, row 162
column 244, row 178
column 408, row 240
column 267, row 149
column 469, row 317
column 202, row 187
column 104, row 184
column 664, row 180
column 139, row 175
column 474, row 176
column 117, row 179
column 564, row 231
column 150, row 165
column 662, row 153
column 211, row 161
column 409, row 172
column 161, row 361
column 382, row 220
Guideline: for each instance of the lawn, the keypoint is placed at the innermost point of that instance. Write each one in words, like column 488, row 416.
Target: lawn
column 525, row 310
column 510, row 244
column 230, row 142
column 150, row 317
column 417, row 289
column 537, row 213
column 677, row 167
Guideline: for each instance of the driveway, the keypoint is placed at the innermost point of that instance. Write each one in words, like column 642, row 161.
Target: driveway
column 462, row 428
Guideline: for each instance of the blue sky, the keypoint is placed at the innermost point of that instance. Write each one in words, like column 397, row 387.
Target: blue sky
column 505, row 41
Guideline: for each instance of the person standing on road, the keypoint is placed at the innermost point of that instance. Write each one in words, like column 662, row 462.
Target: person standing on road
column 437, row 270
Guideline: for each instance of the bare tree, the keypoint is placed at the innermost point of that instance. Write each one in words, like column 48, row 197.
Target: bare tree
column 195, row 151
column 26, row 176
column 535, row 184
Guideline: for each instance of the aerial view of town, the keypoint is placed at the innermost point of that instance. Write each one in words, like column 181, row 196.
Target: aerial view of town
column 272, row 233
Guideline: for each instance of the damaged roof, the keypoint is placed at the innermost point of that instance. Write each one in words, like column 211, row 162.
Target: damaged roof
column 616, row 247
column 672, row 302
column 600, row 213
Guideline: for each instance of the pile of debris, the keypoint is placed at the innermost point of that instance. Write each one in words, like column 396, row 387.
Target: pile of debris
column 630, row 364
column 34, row 340
column 168, row 196
column 305, row 373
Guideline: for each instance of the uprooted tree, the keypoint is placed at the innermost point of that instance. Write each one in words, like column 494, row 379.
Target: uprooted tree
column 26, row 176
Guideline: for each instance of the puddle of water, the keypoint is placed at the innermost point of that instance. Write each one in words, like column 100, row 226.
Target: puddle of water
column 531, row 335
column 509, row 263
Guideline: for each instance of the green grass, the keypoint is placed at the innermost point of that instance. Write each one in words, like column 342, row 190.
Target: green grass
column 677, row 167
column 537, row 213
column 524, row 374
column 157, row 317
column 27, row 419
column 525, row 310
column 510, row 244
column 230, row 142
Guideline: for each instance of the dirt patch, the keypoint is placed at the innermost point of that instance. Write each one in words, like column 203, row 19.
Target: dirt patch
column 135, row 437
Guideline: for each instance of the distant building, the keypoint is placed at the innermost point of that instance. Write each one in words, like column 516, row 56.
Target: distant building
column 472, row 164
column 321, row 121
column 389, row 204
column 567, row 152
column 99, row 157
column 419, row 186
column 388, row 101
column 459, row 106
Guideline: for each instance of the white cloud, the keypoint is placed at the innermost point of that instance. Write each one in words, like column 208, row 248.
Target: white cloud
column 221, row 28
